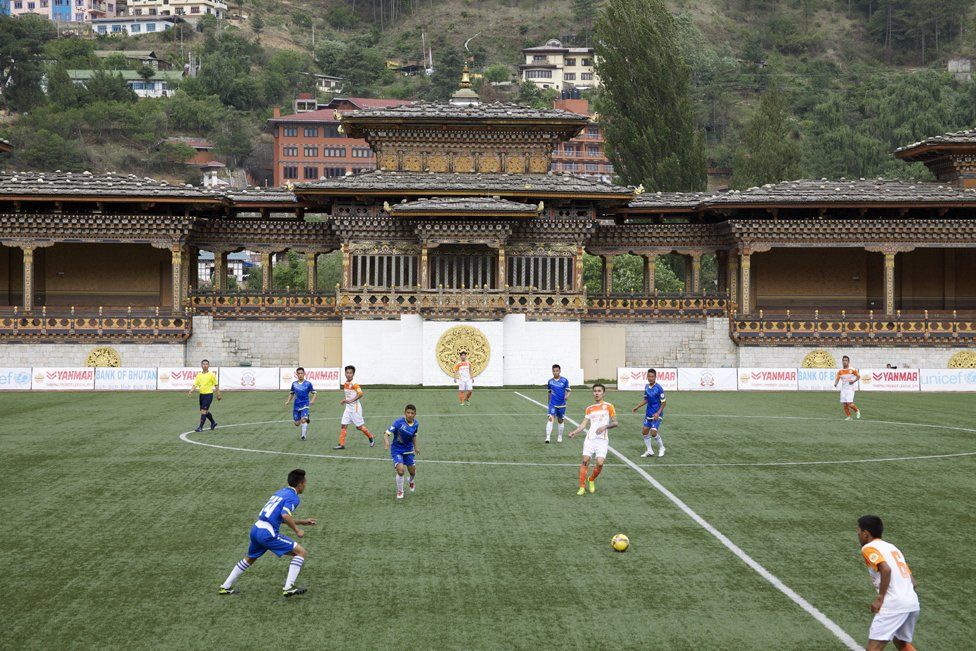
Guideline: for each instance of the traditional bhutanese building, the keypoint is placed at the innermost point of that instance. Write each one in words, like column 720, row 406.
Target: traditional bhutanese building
column 463, row 235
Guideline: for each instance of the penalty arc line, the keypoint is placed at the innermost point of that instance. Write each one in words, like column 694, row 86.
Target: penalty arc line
column 812, row 610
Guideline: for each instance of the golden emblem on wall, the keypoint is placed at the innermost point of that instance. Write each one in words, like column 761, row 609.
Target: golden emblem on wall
column 819, row 359
column 103, row 356
column 466, row 338
column 963, row 359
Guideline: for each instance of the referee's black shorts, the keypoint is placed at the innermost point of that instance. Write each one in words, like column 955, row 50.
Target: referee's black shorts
column 205, row 400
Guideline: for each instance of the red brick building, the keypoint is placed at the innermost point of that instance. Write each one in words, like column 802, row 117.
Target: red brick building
column 308, row 145
column 583, row 155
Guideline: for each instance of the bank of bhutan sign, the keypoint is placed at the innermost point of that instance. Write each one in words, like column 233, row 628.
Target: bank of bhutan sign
column 767, row 379
column 179, row 378
column 125, row 379
column 634, row 379
column 323, row 379
column 890, row 379
column 63, row 379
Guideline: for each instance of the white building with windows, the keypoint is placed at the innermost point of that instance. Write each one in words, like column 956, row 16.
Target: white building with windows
column 188, row 9
column 132, row 26
column 559, row 68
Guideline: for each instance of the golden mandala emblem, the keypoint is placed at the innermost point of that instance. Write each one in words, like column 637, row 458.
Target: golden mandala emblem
column 459, row 338
column 963, row 359
column 819, row 359
column 104, row 356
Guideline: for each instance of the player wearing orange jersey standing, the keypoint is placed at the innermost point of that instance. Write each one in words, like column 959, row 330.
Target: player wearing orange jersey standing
column 352, row 395
column 847, row 377
column 462, row 375
column 601, row 417
column 896, row 607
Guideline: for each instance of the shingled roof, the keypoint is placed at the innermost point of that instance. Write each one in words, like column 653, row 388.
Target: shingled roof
column 480, row 206
column 880, row 191
column 953, row 139
column 260, row 195
column 69, row 185
column 669, row 200
column 446, row 184
column 444, row 111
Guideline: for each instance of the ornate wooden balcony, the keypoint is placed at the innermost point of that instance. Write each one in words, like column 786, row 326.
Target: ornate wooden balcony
column 920, row 328
column 656, row 307
column 264, row 305
column 90, row 324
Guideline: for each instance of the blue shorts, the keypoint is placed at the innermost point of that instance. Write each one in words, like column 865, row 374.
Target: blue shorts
column 205, row 400
column 300, row 412
column 654, row 424
column 263, row 540
column 400, row 456
column 558, row 412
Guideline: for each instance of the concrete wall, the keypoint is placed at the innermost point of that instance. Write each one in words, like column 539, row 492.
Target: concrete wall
column 76, row 354
column 532, row 347
column 236, row 342
column 385, row 352
column 702, row 344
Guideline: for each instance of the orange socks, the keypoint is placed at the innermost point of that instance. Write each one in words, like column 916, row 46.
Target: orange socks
column 364, row 431
column 596, row 472
column 847, row 410
column 582, row 476
column 460, row 397
column 854, row 407
column 342, row 435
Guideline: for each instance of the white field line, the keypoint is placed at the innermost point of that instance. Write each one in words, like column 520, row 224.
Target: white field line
column 828, row 623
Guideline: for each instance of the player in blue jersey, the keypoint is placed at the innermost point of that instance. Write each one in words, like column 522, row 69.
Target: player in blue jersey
column 265, row 536
column 654, row 399
column 304, row 394
column 400, row 439
column 558, row 392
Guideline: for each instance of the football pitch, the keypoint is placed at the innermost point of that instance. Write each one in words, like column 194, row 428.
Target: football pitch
column 118, row 531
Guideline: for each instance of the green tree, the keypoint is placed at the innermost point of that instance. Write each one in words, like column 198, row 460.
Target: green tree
column 44, row 150
column 257, row 22
column 61, row 90
column 170, row 153
column 769, row 151
column 447, row 74
column 645, row 103
column 109, row 87
column 22, row 40
column 498, row 72
column 362, row 68
column 72, row 53
column 283, row 75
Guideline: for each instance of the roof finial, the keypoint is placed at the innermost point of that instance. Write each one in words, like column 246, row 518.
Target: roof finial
column 465, row 95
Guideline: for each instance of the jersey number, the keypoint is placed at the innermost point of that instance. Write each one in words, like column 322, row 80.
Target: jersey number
column 902, row 565
column 271, row 506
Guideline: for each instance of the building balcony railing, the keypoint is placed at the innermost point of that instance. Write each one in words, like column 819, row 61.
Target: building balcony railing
column 924, row 327
column 655, row 307
column 264, row 305
column 91, row 323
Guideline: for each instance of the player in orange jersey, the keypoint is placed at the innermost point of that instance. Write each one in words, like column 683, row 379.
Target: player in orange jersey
column 462, row 375
column 896, row 607
column 600, row 417
column 847, row 377
column 352, row 394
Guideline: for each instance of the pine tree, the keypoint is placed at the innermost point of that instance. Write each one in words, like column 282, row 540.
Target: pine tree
column 645, row 105
column 769, row 150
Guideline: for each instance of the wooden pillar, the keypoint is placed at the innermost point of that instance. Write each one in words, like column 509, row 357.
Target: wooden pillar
column 578, row 270
column 502, row 267
column 267, row 268
column 28, row 301
column 695, row 272
column 650, row 263
column 187, row 256
column 745, row 264
column 732, row 274
column 176, row 258
column 311, row 270
column 220, row 270
column 424, row 271
column 889, row 283
column 607, row 273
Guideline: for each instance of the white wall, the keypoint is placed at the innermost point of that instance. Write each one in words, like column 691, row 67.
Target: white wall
column 532, row 347
column 384, row 352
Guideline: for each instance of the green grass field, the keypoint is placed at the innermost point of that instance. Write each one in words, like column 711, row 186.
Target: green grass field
column 117, row 533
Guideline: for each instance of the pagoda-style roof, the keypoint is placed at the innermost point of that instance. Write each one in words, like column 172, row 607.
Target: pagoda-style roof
column 464, row 207
column 438, row 112
column 669, row 201
column 428, row 184
column 252, row 196
column 961, row 141
column 880, row 192
column 85, row 186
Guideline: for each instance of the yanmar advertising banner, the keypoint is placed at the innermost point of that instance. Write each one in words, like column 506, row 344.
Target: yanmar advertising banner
column 767, row 379
column 63, row 379
column 249, row 378
column 125, row 379
column 15, row 379
column 634, row 379
column 890, row 379
column 817, row 379
column 323, row 379
column 707, row 379
column 179, row 378
column 947, row 379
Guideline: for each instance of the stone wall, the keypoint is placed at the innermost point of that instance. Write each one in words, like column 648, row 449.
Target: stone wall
column 144, row 355
column 704, row 343
column 236, row 342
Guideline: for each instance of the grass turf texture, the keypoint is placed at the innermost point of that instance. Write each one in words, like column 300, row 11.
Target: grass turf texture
column 118, row 533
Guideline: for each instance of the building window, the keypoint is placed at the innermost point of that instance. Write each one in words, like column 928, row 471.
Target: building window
column 571, row 62
column 290, row 131
column 333, row 172
column 586, row 76
column 593, row 131
column 592, row 167
column 331, row 132
column 538, row 74
column 195, row 10
column 116, row 29
column 586, row 62
column 361, row 152
column 334, row 152
column 102, row 29
column 570, row 76
column 593, row 151
column 311, row 132
column 290, row 172
column 539, row 58
column 310, row 152
column 311, row 173
column 291, row 150
column 135, row 28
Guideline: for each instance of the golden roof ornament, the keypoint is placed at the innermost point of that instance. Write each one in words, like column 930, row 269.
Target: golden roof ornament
column 540, row 207
column 639, row 189
column 386, row 207
column 465, row 95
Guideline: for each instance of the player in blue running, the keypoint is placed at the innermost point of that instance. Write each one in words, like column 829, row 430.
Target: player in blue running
column 401, row 440
column 654, row 399
column 558, row 392
column 304, row 394
column 265, row 536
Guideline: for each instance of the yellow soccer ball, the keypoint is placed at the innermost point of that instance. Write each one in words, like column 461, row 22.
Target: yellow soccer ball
column 620, row 543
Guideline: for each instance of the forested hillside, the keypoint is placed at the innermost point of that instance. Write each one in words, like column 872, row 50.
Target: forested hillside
column 781, row 88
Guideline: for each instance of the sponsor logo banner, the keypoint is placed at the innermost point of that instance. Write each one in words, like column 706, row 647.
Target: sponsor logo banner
column 180, row 378
column 767, row 379
column 707, row 379
column 15, row 379
column 951, row 379
column 125, row 379
column 634, row 379
column 889, row 379
column 254, row 378
column 323, row 379
column 817, row 379
column 63, row 379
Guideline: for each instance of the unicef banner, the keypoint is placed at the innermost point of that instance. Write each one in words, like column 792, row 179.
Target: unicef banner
column 817, row 379
column 634, row 379
column 951, row 379
column 767, row 379
column 125, row 379
column 890, row 379
column 179, row 378
column 323, row 379
column 246, row 378
column 707, row 379
column 63, row 379
column 15, row 379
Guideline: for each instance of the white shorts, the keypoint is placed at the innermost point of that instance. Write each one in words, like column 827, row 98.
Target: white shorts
column 354, row 416
column 847, row 395
column 465, row 385
column 595, row 448
column 885, row 626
